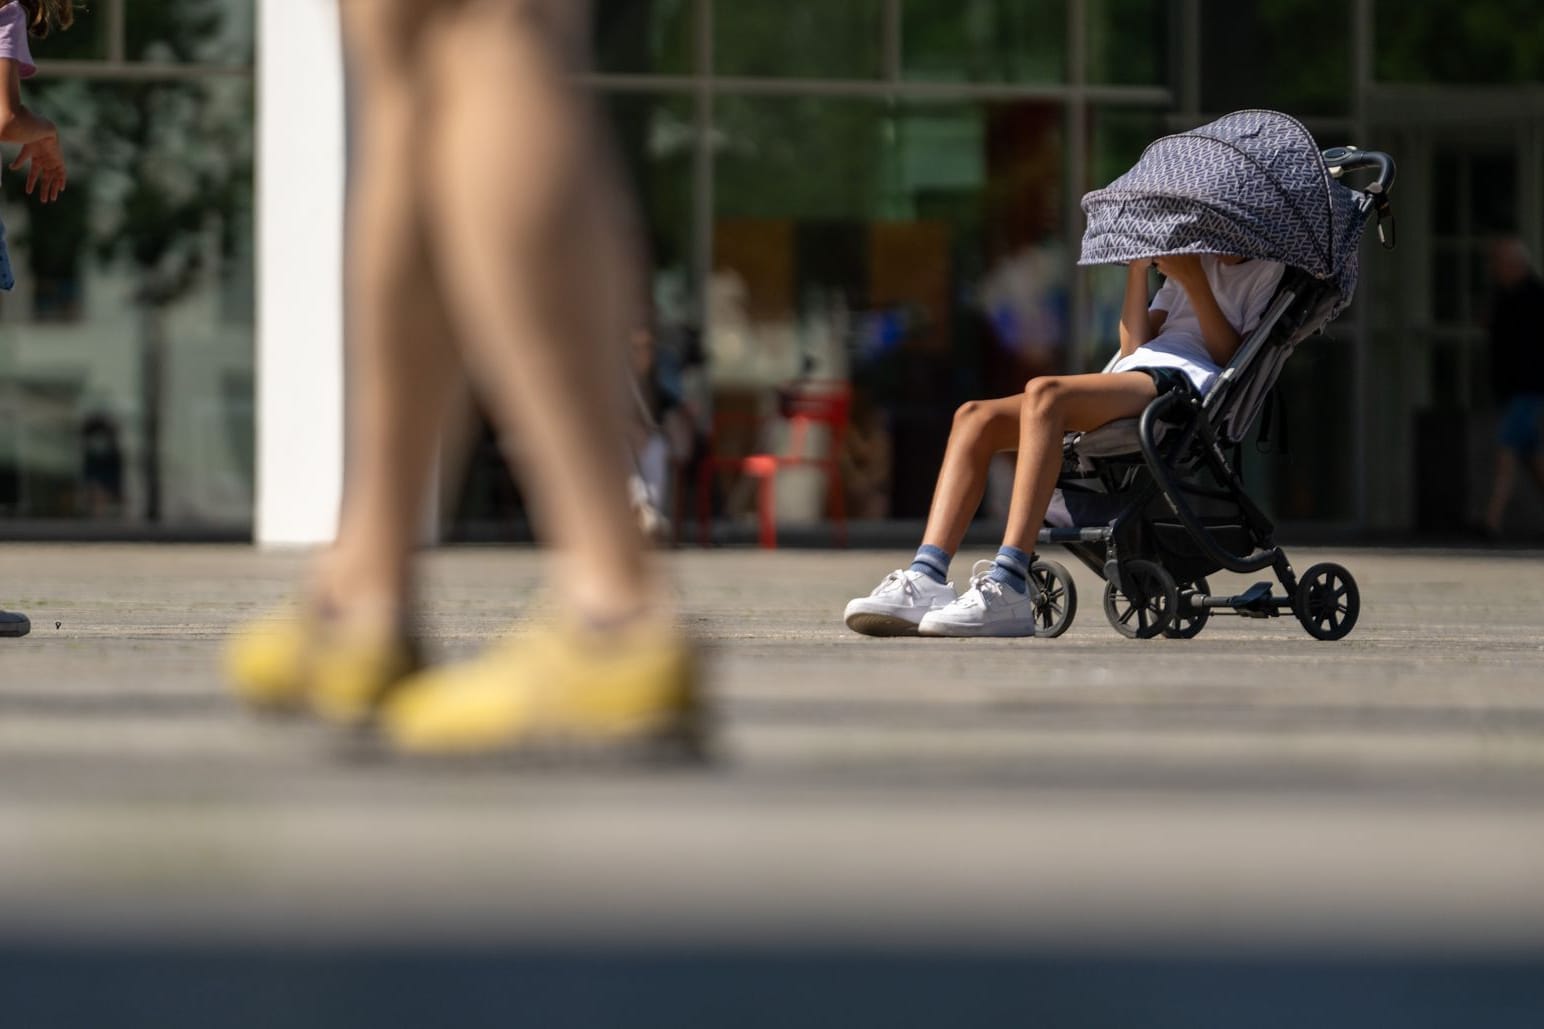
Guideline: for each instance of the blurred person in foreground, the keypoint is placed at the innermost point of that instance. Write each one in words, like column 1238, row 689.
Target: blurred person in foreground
column 486, row 233
column 1516, row 372
column 38, row 137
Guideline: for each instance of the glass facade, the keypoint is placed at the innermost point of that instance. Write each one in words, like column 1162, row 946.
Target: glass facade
column 883, row 192
column 126, row 348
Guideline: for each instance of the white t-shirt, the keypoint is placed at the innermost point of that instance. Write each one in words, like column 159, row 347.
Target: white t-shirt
column 1243, row 292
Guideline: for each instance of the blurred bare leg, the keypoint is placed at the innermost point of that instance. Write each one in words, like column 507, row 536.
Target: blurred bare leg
column 536, row 253
column 402, row 363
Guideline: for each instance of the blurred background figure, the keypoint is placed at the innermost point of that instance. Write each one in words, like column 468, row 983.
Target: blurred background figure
column 1517, row 372
column 867, row 458
column 663, row 436
column 101, row 466
column 486, row 229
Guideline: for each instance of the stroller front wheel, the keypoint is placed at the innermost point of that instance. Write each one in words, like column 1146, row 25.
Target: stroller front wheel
column 1327, row 602
column 1147, row 604
column 1054, row 597
column 1189, row 621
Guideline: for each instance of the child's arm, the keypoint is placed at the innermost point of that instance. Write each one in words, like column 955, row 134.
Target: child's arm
column 1137, row 323
column 39, row 137
column 1221, row 338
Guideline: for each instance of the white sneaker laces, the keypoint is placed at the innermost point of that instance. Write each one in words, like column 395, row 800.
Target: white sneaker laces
column 896, row 580
column 982, row 586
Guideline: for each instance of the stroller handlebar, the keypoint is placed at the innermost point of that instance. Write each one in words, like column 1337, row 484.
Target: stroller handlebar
column 1343, row 159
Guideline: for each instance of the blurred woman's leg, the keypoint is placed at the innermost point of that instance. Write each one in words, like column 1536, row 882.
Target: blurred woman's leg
column 402, row 363
column 538, row 259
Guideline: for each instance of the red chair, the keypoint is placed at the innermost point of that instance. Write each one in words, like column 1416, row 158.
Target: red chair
column 803, row 405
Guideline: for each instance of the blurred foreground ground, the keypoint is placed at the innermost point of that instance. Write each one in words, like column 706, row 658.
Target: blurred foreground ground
column 1251, row 828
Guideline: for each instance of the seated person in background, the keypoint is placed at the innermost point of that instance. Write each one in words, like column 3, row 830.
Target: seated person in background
column 866, row 459
column 1191, row 330
column 662, row 437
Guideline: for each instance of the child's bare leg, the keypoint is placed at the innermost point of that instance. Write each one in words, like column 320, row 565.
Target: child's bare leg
column 536, row 255
column 401, row 360
column 1053, row 406
column 982, row 428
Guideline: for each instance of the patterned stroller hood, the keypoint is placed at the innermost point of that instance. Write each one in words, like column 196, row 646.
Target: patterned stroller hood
column 1251, row 183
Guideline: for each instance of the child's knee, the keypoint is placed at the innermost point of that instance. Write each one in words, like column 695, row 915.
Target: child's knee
column 1042, row 395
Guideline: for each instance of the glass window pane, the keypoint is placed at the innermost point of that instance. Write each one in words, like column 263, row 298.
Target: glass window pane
column 985, row 40
column 1289, row 55
column 1129, row 42
column 655, row 139
column 1459, row 41
column 1316, row 390
column 799, row 38
column 638, row 36
column 190, row 31
column 126, row 348
column 916, row 249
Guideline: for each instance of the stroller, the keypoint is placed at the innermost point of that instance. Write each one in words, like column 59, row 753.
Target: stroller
column 1155, row 504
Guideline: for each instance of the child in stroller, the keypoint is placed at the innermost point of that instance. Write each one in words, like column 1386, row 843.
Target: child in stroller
column 1219, row 309
column 1192, row 329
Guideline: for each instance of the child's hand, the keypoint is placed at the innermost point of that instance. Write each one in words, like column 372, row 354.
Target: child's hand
column 1182, row 268
column 47, row 172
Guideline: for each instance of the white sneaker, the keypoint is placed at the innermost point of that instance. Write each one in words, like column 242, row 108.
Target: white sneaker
column 898, row 604
column 988, row 608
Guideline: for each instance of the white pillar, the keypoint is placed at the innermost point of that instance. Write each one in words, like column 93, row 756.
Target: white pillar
column 300, row 178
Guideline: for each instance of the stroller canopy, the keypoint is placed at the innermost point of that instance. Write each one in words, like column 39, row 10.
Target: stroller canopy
column 1251, row 183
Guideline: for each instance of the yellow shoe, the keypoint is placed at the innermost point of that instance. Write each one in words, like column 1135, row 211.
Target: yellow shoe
column 561, row 688
column 287, row 664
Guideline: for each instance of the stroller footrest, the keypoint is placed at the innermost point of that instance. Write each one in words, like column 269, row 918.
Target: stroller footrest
column 1255, row 602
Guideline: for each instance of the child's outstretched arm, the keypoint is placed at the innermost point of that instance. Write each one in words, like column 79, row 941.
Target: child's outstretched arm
column 1137, row 323
column 38, row 136
column 1221, row 338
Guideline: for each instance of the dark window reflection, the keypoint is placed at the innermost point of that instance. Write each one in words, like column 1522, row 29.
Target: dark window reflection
column 799, row 38
column 636, row 36
column 986, row 40
column 1291, row 55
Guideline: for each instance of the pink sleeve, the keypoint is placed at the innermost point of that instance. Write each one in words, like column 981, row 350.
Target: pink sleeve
column 13, row 38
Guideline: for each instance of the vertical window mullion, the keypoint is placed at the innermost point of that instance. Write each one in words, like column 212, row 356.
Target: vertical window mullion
column 117, row 32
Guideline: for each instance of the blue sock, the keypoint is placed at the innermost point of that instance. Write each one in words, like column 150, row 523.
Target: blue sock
column 932, row 562
column 1011, row 568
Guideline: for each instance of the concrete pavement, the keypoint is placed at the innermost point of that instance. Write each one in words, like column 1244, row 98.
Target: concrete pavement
column 1252, row 796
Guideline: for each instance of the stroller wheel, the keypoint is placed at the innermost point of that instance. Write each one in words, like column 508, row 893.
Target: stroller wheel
column 1327, row 602
column 1189, row 621
column 1054, row 596
column 1149, row 606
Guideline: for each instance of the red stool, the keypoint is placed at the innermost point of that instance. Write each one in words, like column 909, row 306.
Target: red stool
column 804, row 405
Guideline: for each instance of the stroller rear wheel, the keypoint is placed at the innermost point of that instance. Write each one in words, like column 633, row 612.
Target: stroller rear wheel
column 1189, row 621
column 1146, row 605
column 1327, row 602
column 1054, row 597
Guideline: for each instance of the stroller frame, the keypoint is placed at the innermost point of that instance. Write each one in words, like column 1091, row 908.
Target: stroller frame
column 1156, row 550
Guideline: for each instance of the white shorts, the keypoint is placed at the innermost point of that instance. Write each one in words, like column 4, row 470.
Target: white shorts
column 1201, row 373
